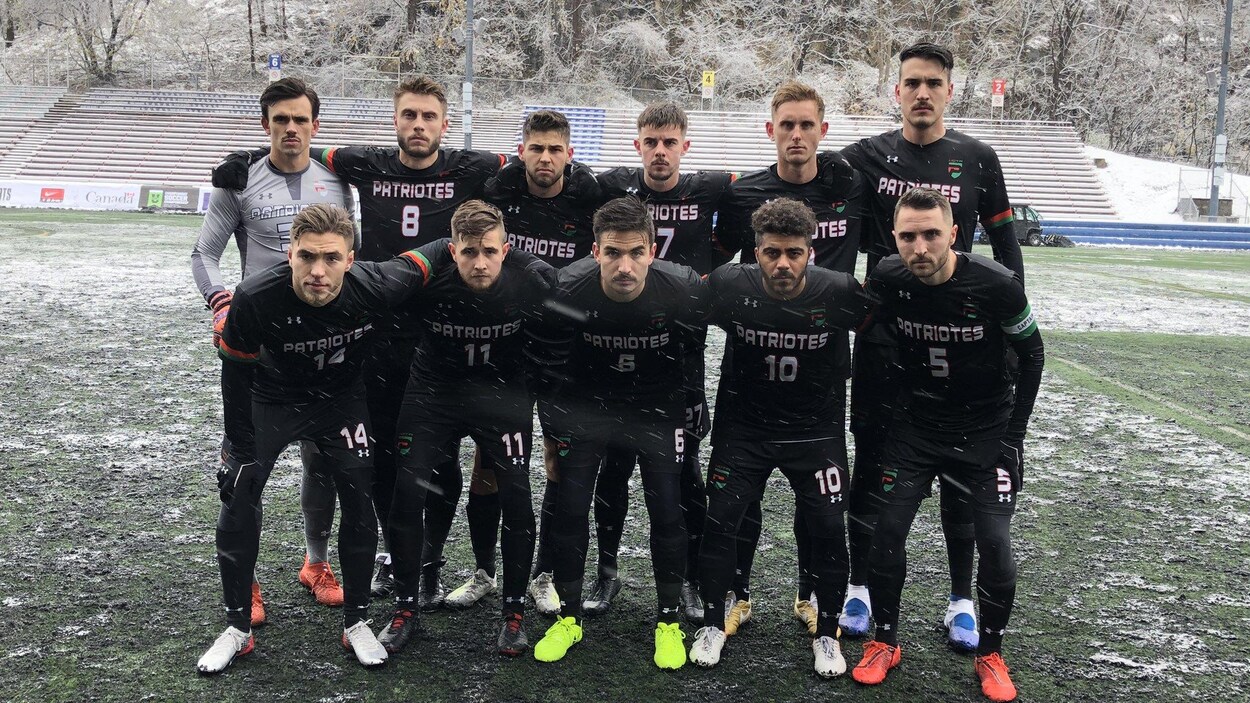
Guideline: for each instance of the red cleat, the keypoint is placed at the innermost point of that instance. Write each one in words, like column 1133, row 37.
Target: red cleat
column 879, row 658
column 319, row 579
column 995, row 682
column 258, row 606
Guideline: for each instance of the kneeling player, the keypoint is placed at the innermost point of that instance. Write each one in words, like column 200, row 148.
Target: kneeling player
column 780, row 404
column 311, row 319
column 954, row 315
column 468, row 380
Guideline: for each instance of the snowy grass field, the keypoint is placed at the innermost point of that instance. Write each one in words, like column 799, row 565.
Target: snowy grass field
column 1133, row 534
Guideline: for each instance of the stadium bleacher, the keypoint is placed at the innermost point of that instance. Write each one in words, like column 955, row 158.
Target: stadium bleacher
column 175, row 138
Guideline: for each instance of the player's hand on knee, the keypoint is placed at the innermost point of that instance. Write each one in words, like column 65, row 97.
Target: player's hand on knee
column 219, row 303
column 229, row 474
column 1011, row 455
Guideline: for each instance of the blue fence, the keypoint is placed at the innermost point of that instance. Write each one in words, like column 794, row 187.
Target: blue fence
column 1196, row 235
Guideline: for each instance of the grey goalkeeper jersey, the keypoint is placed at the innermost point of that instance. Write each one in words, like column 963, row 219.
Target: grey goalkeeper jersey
column 259, row 217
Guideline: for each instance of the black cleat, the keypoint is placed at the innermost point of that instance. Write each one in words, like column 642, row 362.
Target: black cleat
column 512, row 639
column 602, row 591
column 430, row 594
column 383, row 579
column 403, row 622
column 691, row 604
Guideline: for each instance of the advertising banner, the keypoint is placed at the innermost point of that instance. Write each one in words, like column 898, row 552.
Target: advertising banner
column 72, row 196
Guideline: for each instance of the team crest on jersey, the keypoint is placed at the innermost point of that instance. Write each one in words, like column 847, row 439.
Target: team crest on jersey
column 404, row 443
column 563, row 445
column 969, row 310
column 319, row 187
column 819, row 317
column 659, row 321
column 888, row 477
column 718, row 476
column 955, row 168
column 839, row 206
column 569, row 229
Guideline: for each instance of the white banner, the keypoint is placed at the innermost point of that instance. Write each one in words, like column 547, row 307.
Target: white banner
column 71, row 196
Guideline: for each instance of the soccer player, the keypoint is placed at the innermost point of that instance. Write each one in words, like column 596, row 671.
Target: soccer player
column 683, row 206
column 548, row 202
column 786, row 322
column 627, row 319
column 837, row 195
column 468, row 380
column 259, row 217
column 310, row 318
column 955, row 315
column 967, row 172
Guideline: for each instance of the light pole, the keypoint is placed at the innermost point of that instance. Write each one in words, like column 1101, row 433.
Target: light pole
column 466, row 88
column 1221, row 140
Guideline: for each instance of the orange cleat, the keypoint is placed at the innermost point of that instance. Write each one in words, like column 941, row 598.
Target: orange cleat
column 995, row 682
column 258, row 606
column 879, row 658
column 319, row 579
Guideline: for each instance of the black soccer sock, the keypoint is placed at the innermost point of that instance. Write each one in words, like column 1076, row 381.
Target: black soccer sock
column 803, row 548
column 668, row 596
column 570, row 593
column 694, row 506
column 859, row 530
column 889, row 568
column 748, row 540
column 863, row 504
column 543, row 561
column 440, row 509
column 407, row 529
column 611, row 508
column 517, row 543
column 957, row 527
column 718, row 556
column 996, row 580
column 358, row 540
column 484, row 513
column 662, row 492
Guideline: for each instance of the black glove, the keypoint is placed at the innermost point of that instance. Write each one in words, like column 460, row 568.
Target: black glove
column 231, row 173
column 230, row 473
column 835, row 171
column 1011, row 457
column 580, row 183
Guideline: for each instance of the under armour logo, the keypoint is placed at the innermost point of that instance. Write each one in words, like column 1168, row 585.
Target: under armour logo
column 514, row 209
column 750, row 302
column 293, row 320
column 835, row 499
column 1004, row 497
column 593, row 313
column 904, row 294
column 362, row 453
column 891, row 159
column 518, row 460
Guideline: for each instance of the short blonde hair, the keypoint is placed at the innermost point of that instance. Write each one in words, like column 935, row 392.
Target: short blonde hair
column 794, row 91
column 473, row 219
column 323, row 218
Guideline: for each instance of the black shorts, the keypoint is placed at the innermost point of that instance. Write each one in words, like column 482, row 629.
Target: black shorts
column 816, row 470
column 339, row 427
column 972, row 467
column 500, row 422
column 584, row 431
column 874, row 386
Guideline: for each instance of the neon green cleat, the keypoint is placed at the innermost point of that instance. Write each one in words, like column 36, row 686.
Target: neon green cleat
column 560, row 636
column 670, row 653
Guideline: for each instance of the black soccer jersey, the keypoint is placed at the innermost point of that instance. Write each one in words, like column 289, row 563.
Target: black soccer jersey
column 837, row 195
column 312, row 353
column 964, row 169
column 556, row 229
column 402, row 208
column 472, row 336
column 953, row 340
column 683, row 215
column 784, row 358
column 626, row 352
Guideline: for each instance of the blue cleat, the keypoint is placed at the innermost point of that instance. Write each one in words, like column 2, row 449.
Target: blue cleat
column 961, row 625
column 856, row 612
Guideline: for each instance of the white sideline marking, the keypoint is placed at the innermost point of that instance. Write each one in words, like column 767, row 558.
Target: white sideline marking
column 1151, row 396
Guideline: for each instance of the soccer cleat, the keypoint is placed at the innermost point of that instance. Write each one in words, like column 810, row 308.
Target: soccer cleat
column 232, row 643
column 477, row 587
column 961, row 625
column 708, row 643
column 383, row 577
column 394, row 637
column 856, row 611
column 319, row 579
column 430, row 593
column 806, row 613
column 995, row 682
column 602, row 591
column 359, row 640
column 560, row 636
column 737, row 613
column 543, row 592
column 691, row 603
column 828, row 657
column 258, row 606
column 879, row 658
column 670, row 653
column 512, row 640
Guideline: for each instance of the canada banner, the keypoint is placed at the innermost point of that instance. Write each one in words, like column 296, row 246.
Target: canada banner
column 71, row 196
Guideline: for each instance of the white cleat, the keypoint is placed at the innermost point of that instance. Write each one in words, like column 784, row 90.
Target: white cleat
column 708, row 643
column 359, row 639
column 475, row 589
column 828, row 657
column 543, row 592
column 232, row 643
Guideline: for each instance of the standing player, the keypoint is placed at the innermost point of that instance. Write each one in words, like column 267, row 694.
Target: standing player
column 955, row 315
column 259, row 218
column 468, row 380
column 785, row 322
column 967, row 172
column 837, row 195
column 628, row 319
column 683, row 207
column 310, row 320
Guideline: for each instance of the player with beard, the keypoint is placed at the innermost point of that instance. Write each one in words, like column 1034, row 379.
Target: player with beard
column 259, row 218
column 922, row 152
column 785, row 322
column 955, row 315
column 309, row 320
column 683, row 206
column 627, row 321
column 837, row 195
